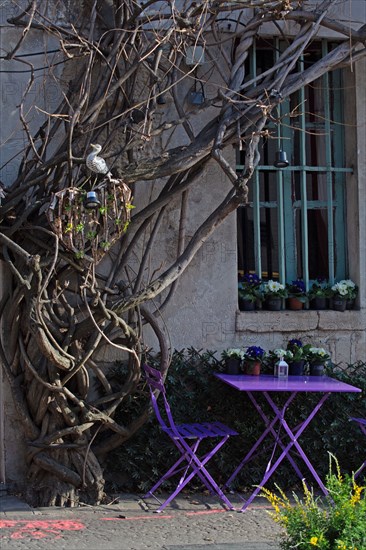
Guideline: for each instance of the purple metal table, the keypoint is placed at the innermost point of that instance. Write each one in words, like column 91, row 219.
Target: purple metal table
column 266, row 384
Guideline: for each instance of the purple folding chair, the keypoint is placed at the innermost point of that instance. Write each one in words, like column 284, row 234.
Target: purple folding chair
column 362, row 423
column 187, row 438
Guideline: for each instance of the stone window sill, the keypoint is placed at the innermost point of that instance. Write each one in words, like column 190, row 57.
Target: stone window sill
column 300, row 321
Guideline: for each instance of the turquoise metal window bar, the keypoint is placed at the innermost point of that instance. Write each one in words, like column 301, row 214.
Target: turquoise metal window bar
column 292, row 231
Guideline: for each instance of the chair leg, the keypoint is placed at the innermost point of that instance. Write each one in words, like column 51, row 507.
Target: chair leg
column 190, row 459
column 171, row 472
column 183, row 483
column 197, row 466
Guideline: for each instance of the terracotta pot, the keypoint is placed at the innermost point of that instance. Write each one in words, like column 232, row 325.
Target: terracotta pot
column 232, row 365
column 296, row 368
column 273, row 303
column 252, row 367
column 294, row 303
column 319, row 302
column 339, row 304
column 317, row 369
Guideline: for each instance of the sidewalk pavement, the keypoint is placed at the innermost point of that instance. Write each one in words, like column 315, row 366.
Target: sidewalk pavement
column 191, row 522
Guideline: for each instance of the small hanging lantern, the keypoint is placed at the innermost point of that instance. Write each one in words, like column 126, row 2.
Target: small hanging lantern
column 91, row 200
column 196, row 98
column 281, row 159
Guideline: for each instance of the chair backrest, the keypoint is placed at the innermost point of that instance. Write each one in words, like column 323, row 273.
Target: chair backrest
column 155, row 382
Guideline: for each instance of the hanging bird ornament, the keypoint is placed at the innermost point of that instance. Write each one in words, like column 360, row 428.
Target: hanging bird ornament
column 2, row 191
column 97, row 164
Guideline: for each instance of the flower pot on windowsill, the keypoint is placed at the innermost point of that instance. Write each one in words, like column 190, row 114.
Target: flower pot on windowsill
column 317, row 369
column 319, row 303
column 246, row 305
column 233, row 365
column 296, row 368
column 338, row 303
column 294, row 303
column 252, row 367
column 350, row 304
column 273, row 303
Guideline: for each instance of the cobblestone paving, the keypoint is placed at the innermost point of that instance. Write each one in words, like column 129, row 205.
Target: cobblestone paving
column 190, row 523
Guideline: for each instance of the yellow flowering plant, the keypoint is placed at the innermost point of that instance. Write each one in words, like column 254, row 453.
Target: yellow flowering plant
column 335, row 522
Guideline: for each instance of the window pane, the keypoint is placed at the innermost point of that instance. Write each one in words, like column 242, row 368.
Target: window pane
column 316, row 186
column 298, row 248
column 314, row 102
column 318, row 243
column 267, row 186
column 268, row 237
column 315, row 146
column 246, row 260
column 269, row 243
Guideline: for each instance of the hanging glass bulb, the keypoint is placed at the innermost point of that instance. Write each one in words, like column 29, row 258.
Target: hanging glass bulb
column 281, row 159
column 91, row 200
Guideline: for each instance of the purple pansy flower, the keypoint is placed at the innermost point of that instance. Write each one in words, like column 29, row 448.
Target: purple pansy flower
column 254, row 353
column 251, row 279
column 294, row 342
column 299, row 285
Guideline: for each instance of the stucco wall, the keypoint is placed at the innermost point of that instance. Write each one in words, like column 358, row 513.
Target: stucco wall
column 204, row 312
column 45, row 93
column 344, row 334
column 12, row 448
column 207, row 291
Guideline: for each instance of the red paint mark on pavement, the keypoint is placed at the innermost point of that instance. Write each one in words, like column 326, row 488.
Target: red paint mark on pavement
column 19, row 529
column 206, row 512
column 188, row 514
column 159, row 516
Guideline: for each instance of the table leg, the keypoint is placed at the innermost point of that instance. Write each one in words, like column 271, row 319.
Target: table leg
column 293, row 442
column 294, row 437
column 276, row 434
column 269, row 429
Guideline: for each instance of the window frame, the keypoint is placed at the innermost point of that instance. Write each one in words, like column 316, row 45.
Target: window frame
column 335, row 182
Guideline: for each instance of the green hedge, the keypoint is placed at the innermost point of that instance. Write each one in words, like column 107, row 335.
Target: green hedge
column 196, row 395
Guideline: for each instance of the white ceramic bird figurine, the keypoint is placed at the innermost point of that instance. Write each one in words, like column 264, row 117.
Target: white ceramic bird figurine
column 97, row 164
column 2, row 191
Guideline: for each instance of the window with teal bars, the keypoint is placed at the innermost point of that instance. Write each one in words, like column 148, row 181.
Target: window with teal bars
column 294, row 224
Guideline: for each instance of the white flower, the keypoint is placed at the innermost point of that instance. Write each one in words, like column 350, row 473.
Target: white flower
column 235, row 352
column 284, row 353
column 274, row 286
column 319, row 351
column 340, row 288
column 348, row 283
